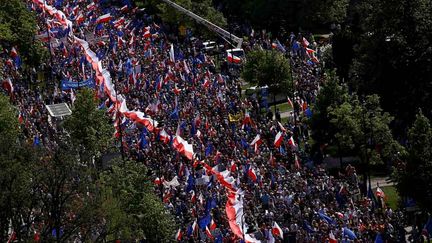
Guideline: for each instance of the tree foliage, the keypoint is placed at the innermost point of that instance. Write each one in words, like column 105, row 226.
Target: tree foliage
column 15, row 172
column 89, row 128
column 414, row 176
column 318, row 12
column 60, row 196
column 362, row 129
column 19, row 31
column 131, row 208
column 271, row 68
column 331, row 94
column 203, row 8
column 394, row 53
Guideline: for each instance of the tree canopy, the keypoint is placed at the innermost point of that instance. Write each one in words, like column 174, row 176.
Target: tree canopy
column 414, row 173
column 19, row 31
column 362, row 127
column 389, row 41
column 203, row 8
column 90, row 130
column 55, row 194
column 271, row 68
column 331, row 94
column 131, row 208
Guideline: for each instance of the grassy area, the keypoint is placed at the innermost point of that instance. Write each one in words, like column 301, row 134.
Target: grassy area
column 392, row 196
column 284, row 107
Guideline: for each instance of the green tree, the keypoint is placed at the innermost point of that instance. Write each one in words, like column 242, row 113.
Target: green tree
column 14, row 175
column 393, row 53
column 362, row 129
column 89, row 128
column 66, row 194
column 318, row 12
column 20, row 31
column 131, row 209
column 269, row 68
column 331, row 94
column 203, row 8
column 414, row 177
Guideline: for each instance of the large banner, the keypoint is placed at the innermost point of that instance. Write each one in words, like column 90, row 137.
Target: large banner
column 66, row 84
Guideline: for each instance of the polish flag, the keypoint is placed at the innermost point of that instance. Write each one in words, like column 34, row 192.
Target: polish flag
column 332, row 238
column 13, row 52
column 290, row 102
column 9, row 62
column 80, row 19
column 183, row 147
column 194, row 227
column 208, row 233
column 305, row 42
column 340, row 215
column 276, row 230
column 213, row 225
column 310, row 51
column 186, row 68
column 233, row 166
column 206, row 83
column 104, row 18
column 124, row 8
column 296, row 161
column 233, row 59
column 91, row 6
column 380, row 193
column 179, row 235
column 257, row 140
column 256, row 148
column 177, row 90
column 278, row 139
column 291, row 142
column 7, row 85
column 20, row 118
column 164, row 136
column 147, row 33
column 252, row 174
column 247, row 120
column 75, row 10
column 193, row 197
column 119, row 22
column 274, row 45
column 158, row 181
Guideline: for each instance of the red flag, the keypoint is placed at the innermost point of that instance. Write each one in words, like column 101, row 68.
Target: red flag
column 252, row 174
column 278, row 139
column 290, row 102
column 332, row 238
column 213, row 225
column 257, row 140
column 208, row 233
column 233, row 59
column 13, row 52
column 233, row 166
column 276, row 230
column 20, row 118
column 7, row 85
column 291, row 142
column 104, row 18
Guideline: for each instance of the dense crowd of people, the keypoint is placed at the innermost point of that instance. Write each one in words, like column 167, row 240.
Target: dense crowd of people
column 285, row 195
